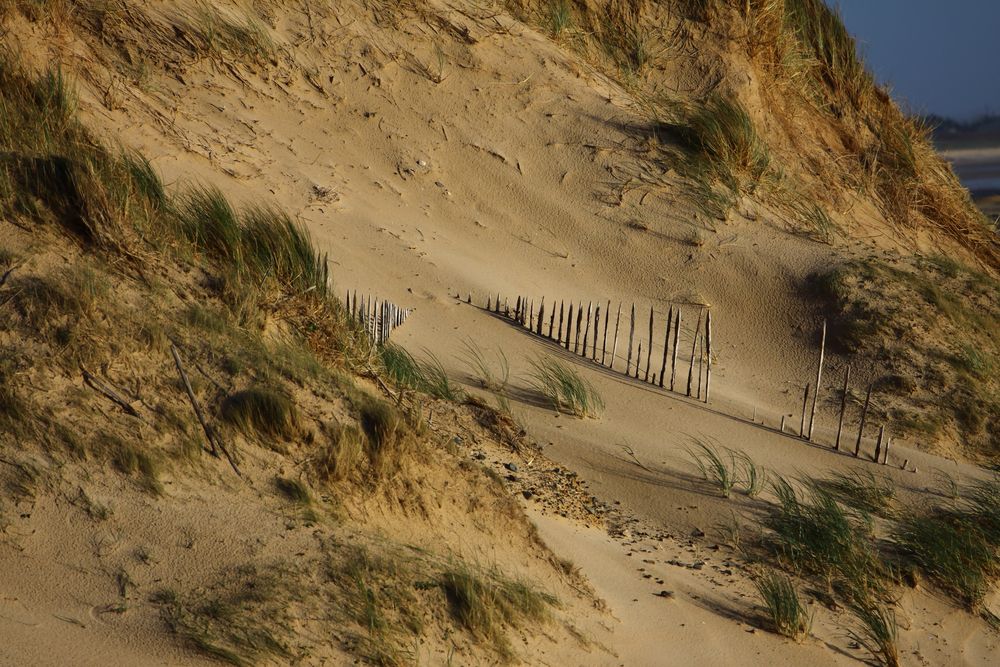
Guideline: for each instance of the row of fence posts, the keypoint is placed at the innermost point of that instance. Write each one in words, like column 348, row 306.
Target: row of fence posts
column 884, row 441
column 378, row 317
column 586, row 333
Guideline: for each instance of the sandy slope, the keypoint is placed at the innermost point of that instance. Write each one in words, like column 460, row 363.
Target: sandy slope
column 507, row 176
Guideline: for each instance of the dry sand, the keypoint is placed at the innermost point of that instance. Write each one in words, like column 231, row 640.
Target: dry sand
column 507, row 177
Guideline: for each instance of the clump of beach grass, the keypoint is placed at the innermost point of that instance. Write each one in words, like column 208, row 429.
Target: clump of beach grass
column 563, row 387
column 485, row 602
column 716, row 464
column 879, row 630
column 864, row 490
column 262, row 411
column 785, row 611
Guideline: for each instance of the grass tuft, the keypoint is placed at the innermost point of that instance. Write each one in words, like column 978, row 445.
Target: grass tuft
column 785, row 611
column 295, row 490
column 564, row 388
column 717, row 466
column 262, row 411
column 878, row 631
column 863, row 490
column 485, row 603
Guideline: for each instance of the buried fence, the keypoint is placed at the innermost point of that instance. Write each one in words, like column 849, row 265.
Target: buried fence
column 378, row 317
column 589, row 333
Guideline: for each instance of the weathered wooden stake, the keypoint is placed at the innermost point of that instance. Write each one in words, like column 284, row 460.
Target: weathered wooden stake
column 586, row 330
column 782, row 423
column 701, row 357
column 677, row 340
column 666, row 345
column 649, row 348
column 604, row 344
column 597, row 329
column 638, row 355
column 631, row 334
column 541, row 316
column 885, row 456
column 864, row 416
column 708, row 352
column 694, row 344
column 805, row 404
column 506, row 308
column 552, row 320
column 579, row 323
column 878, row 444
column 843, row 407
column 614, row 349
column 819, row 380
column 569, row 325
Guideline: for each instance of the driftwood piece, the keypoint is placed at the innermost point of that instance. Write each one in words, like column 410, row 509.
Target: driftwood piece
column 103, row 388
column 215, row 443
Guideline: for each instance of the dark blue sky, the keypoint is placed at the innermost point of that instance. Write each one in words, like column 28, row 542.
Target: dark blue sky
column 937, row 57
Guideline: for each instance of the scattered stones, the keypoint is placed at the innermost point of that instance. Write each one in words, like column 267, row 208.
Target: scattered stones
column 665, row 594
column 510, row 466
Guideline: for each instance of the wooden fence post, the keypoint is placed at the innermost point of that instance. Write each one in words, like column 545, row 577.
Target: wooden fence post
column 649, row 348
column 579, row 322
column 819, row 380
column 569, row 325
column 708, row 351
column 586, row 329
column 805, row 405
column 597, row 329
column 631, row 333
column 843, row 407
column 864, row 415
column 604, row 344
column 614, row 349
column 694, row 344
column 878, row 444
column 677, row 340
column 666, row 345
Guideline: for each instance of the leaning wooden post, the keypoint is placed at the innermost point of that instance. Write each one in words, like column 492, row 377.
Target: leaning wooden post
column 843, row 407
column 864, row 416
column 782, row 423
column 677, row 341
column 638, row 356
column 819, row 379
column 597, row 329
column 666, row 345
column 878, row 443
column 552, row 320
column 489, row 302
column 631, row 334
column 614, row 348
column 649, row 348
column 586, row 329
column 517, row 310
column 885, row 456
column 579, row 323
column 531, row 316
column 694, row 345
column 604, row 344
column 541, row 316
column 805, row 404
